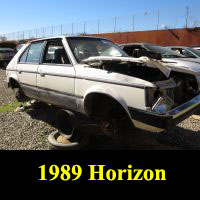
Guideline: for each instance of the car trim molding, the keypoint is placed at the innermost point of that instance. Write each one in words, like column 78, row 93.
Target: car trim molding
column 50, row 90
column 110, row 81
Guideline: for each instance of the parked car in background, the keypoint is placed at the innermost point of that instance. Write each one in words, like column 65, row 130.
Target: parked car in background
column 6, row 55
column 95, row 77
column 155, row 51
column 186, row 51
column 20, row 46
column 196, row 47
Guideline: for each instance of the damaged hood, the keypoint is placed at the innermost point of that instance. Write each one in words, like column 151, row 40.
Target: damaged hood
column 183, row 64
column 143, row 60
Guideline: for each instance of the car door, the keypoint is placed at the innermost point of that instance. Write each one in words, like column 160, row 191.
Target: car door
column 27, row 68
column 56, row 76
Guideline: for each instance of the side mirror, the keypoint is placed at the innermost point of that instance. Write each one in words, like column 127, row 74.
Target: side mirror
column 150, row 54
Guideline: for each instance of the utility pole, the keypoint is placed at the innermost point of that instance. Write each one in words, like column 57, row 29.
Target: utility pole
column 115, row 24
column 98, row 25
column 72, row 28
column 43, row 32
column 52, row 30
column 187, row 15
column 158, row 22
column 133, row 23
column 84, row 27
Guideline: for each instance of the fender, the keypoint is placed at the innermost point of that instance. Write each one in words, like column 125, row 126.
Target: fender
column 109, row 92
column 12, row 76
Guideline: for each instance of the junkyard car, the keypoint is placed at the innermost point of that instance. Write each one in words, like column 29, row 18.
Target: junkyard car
column 95, row 77
column 6, row 55
column 186, row 51
column 196, row 47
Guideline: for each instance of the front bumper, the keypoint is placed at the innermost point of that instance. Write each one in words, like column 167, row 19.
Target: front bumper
column 171, row 118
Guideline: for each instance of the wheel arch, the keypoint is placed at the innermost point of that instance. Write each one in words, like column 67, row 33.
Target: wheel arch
column 106, row 92
column 13, row 81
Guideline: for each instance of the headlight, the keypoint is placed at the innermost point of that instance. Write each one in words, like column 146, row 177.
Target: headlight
column 163, row 105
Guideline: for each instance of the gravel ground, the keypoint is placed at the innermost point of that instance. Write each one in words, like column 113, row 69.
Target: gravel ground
column 29, row 130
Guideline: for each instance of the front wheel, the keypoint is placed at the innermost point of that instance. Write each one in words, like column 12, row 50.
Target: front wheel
column 109, row 126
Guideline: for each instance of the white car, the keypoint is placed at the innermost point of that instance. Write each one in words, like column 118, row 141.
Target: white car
column 95, row 77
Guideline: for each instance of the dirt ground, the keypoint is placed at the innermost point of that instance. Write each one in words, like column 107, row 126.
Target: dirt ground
column 29, row 130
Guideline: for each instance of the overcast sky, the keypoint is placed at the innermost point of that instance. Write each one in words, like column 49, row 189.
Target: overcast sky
column 18, row 15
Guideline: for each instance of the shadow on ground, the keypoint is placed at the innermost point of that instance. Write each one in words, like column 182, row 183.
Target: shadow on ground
column 129, row 139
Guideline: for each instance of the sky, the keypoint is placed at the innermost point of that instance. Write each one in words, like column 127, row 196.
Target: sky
column 18, row 15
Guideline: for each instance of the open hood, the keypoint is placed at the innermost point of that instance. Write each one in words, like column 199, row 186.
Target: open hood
column 183, row 64
column 143, row 60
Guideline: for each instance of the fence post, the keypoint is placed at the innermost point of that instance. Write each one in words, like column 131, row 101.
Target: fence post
column 98, row 25
column 52, row 30
column 158, row 22
column 43, row 32
column 72, row 28
column 29, row 34
column 61, row 29
column 84, row 27
column 115, row 24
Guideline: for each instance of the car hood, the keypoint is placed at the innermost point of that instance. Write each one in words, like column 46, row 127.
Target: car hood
column 163, row 67
column 166, row 65
column 190, row 65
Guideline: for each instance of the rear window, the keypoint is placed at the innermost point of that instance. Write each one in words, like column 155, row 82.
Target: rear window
column 34, row 53
column 24, row 56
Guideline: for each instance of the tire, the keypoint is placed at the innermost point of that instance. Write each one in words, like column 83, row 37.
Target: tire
column 77, row 140
column 55, row 145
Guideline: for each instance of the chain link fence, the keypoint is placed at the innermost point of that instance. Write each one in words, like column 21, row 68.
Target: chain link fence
column 136, row 22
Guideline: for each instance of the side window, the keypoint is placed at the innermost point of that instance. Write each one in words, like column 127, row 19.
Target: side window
column 133, row 51
column 177, row 50
column 34, row 53
column 24, row 56
column 128, row 50
column 55, row 53
column 187, row 54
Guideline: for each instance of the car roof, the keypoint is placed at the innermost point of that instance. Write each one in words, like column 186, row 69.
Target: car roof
column 138, row 43
column 185, row 47
column 61, row 37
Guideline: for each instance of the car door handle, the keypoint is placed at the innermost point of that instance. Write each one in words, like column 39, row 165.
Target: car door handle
column 41, row 73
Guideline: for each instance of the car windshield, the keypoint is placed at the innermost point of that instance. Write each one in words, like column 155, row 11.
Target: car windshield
column 165, row 53
column 84, row 48
column 197, row 52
